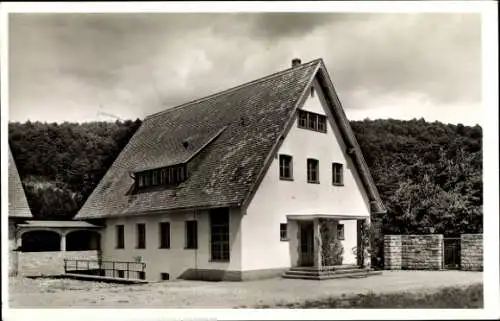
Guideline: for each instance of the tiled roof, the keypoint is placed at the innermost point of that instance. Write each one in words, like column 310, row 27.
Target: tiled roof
column 250, row 119
column 18, row 205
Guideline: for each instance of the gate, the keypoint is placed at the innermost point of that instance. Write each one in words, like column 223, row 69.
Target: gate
column 451, row 253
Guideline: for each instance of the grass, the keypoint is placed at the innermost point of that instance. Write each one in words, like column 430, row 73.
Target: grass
column 470, row 297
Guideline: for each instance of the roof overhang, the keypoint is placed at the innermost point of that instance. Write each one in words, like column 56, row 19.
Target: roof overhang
column 59, row 224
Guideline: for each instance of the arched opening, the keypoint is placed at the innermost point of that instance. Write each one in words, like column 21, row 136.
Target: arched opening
column 41, row 241
column 83, row 240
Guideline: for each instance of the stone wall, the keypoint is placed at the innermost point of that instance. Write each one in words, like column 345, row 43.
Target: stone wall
column 392, row 252
column 413, row 252
column 422, row 252
column 49, row 263
column 471, row 252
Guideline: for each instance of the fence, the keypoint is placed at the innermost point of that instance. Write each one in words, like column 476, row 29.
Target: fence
column 115, row 269
column 433, row 252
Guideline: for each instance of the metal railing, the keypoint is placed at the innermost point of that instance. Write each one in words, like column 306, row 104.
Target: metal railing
column 115, row 269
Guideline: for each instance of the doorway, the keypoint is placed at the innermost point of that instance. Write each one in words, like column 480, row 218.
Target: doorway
column 306, row 243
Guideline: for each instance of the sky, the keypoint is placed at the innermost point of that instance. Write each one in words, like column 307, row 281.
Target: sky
column 81, row 67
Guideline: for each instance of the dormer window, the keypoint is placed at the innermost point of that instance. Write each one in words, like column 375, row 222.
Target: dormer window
column 312, row 121
column 167, row 176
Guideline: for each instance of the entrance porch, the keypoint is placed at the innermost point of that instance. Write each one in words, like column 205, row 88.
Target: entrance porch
column 328, row 246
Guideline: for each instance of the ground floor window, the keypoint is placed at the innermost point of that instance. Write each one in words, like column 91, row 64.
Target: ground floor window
column 219, row 234
column 191, row 234
column 164, row 235
column 283, row 234
column 340, row 232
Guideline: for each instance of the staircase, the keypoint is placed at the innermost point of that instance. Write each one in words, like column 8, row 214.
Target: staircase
column 330, row 272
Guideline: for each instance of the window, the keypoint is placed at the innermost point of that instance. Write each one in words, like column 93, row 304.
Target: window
column 286, row 167
column 340, row 231
column 121, row 273
column 164, row 176
column 219, row 235
column 141, row 236
column 312, row 171
column 283, row 234
column 154, row 178
column 120, row 237
column 141, row 275
column 322, row 124
column 141, row 180
column 312, row 91
column 164, row 276
column 191, row 235
column 164, row 235
column 337, row 174
column 312, row 121
column 302, row 119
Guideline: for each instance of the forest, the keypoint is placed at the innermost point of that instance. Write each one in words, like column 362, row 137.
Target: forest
column 429, row 174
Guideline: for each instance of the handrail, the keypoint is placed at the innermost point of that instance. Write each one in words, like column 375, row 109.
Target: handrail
column 72, row 265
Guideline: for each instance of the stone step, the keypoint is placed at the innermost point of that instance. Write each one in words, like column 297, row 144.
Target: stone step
column 325, row 268
column 332, row 276
column 328, row 272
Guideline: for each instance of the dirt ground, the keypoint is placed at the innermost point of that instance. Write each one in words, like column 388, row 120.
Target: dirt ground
column 64, row 293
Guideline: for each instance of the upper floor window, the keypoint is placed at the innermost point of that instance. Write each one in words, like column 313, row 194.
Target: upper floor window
column 312, row 91
column 337, row 174
column 164, row 176
column 312, row 170
column 286, row 167
column 312, row 121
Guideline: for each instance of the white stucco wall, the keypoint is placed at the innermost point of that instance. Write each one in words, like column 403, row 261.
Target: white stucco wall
column 275, row 198
column 177, row 259
column 350, row 241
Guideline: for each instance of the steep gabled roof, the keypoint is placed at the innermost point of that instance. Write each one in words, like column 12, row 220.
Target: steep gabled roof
column 238, row 130
column 18, row 205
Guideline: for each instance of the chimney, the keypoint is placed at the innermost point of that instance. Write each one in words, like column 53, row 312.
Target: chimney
column 296, row 62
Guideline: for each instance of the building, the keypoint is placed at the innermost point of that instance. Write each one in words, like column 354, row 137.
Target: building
column 235, row 185
column 37, row 247
column 19, row 212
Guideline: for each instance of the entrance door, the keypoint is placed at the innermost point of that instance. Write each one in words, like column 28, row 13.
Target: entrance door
column 451, row 253
column 306, row 243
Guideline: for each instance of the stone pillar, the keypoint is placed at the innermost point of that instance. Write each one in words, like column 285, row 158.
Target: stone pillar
column 471, row 252
column 392, row 252
column 63, row 242
column 367, row 260
column 317, row 244
column 13, row 250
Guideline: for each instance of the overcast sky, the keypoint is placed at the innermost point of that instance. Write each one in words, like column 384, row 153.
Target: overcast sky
column 77, row 67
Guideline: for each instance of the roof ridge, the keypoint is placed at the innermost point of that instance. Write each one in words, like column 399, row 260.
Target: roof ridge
column 252, row 82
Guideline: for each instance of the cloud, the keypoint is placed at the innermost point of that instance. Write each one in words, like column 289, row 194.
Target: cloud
column 133, row 65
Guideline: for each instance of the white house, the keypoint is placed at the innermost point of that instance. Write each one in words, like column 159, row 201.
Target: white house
column 233, row 186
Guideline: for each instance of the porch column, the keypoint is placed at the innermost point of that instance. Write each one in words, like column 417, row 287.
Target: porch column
column 19, row 239
column 363, row 235
column 317, row 244
column 63, row 242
